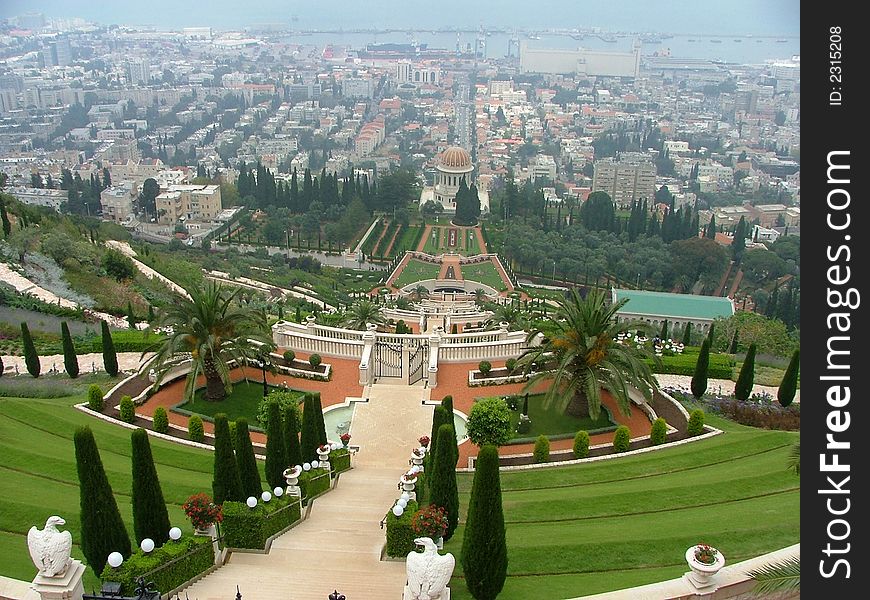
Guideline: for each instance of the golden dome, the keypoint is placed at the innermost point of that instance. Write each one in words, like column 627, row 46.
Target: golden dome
column 455, row 157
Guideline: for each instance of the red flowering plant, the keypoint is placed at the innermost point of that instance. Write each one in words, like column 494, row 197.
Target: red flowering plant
column 345, row 438
column 424, row 441
column 706, row 554
column 201, row 511
column 324, row 448
column 430, row 521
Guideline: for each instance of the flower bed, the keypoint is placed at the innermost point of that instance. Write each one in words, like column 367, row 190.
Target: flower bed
column 760, row 410
column 495, row 377
column 189, row 557
column 400, row 533
column 245, row 527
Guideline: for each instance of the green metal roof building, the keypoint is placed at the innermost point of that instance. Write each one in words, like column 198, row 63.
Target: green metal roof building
column 678, row 309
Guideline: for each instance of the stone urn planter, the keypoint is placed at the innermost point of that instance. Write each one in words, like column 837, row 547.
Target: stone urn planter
column 323, row 456
column 408, row 483
column 702, row 573
column 417, row 455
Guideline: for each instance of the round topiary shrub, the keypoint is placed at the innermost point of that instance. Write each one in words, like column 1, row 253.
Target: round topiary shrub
column 127, row 409
column 621, row 439
column 659, row 432
column 314, row 360
column 541, row 453
column 289, row 356
column 484, row 367
column 696, row 422
column 511, row 365
column 489, row 422
column 161, row 420
column 525, row 424
column 95, row 398
column 195, row 431
column 581, row 444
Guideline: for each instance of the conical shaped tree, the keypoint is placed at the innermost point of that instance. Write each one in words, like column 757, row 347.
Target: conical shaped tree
column 484, row 547
column 687, row 334
column 664, row 331
column 439, row 417
column 110, row 357
column 447, row 403
column 788, row 387
column 150, row 517
column 246, row 461
column 746, row 378
column 70, row 360
column 313, row 430
column 699, row 379
column 226, row 484
column 732, row 349
column 276, row 453
column 103, row 530
column 291, row 436
column 31, row 358
column 443, row 491
column 710, row 333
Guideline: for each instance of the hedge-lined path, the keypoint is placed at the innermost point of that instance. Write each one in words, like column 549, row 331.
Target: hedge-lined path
column 127, row 361
column 339, row 545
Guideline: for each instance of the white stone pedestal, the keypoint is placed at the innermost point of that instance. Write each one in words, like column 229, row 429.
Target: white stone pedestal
column 406, row 594
column 66, row 587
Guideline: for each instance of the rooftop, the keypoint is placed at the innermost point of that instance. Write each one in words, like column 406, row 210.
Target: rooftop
column 663, row 304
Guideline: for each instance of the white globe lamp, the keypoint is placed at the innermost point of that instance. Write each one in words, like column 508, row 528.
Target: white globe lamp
column 175, row 533
column 266, row 496
column 147, row 545
column 251, row 502
column 398, row 510
column 278, row 492
column 115, row 560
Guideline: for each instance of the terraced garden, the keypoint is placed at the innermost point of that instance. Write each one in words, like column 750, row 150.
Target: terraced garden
column 485, row 273
column 615, row 524
column 37, row 464
column 416, row 270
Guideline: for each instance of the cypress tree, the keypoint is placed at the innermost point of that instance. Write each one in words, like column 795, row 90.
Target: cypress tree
column 31, row 358
column 699, row 379
column 321, row 425
column 110, row 357
column 276, row 453
column 150, row 517
column 70, row 360
column 2, row 367
column 743, row 387
column 246, row 461
column 732, row 349
column 664, row 332
column 291, row 435
column 443, row 491
column 131, row 318
column 226, row 484
column 788, row 387
column 687, row 334
column 310, row 438
column 447, row 403
column 4, row 217
column 710, row 334
column 103, row 530
column 710, row 232
column 439, row 417
column 484, row 545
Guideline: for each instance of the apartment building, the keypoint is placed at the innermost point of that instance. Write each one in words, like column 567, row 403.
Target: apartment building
column 181, row 203
column 625, row 181
column 117, row 202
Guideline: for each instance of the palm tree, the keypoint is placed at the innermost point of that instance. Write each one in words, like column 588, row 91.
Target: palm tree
column 212, row 330
column 420, row 292
column 480, row 297
column 507, row 313
column 361, row 313
column 580, row 343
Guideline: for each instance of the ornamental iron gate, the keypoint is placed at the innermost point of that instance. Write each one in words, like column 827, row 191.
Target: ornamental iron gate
column 388, row 359
column 418, row 362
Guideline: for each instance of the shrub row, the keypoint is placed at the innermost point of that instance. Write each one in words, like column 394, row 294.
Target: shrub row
column 368, row 246
column 721, row 365
column 313, row 483
column 400, row 535
column 245, row 527
column 340, row 460
column 194, row 555
column 771, row 416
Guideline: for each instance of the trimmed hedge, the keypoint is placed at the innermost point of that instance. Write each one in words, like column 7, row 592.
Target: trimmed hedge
column 313, row 483
column 400, row 535
column 621, row 439
column 193, row 553
column 161, row 420
column 340, row 460
column 659, row 432
column 195, row 431
column 314, row 360
column 245, row 527
column 127, row 409
column 581, row 444
column 696, row 423
column 95, row 398
column 721, row 365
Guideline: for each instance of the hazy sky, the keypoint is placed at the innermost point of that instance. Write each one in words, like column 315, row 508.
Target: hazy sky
column 756, row 17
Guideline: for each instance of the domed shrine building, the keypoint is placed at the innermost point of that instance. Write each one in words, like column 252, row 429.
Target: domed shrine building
column 451, row 166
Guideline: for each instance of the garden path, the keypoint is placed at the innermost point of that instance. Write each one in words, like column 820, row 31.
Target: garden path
column 339, row 545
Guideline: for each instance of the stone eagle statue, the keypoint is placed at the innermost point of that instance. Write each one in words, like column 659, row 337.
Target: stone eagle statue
column 428, row 573
column 50, row 548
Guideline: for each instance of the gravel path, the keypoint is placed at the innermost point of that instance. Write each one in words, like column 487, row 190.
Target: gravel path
column 719, row 386
column 127, row 361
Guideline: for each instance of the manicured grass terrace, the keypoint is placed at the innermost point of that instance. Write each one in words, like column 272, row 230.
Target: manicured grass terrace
column 548, row 420
column 242, row 402
column 602, row 526
column 416, row 270
column 485, row 273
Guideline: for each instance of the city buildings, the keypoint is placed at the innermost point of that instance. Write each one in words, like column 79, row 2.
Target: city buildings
column 180, row 203
column 625, row 180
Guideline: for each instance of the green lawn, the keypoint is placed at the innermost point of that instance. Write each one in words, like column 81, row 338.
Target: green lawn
column 549, row 421
column 38, row 469
column 433, row 240
column 243, row 402
column 602, row 526
column 484, row 273
column 416, row 270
